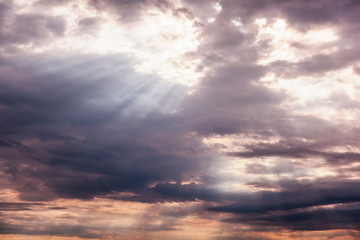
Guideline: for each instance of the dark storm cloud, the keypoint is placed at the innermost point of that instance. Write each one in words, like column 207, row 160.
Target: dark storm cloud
column 295, row 195
column 294, row 207
column 172, row 192
column 80, row 127
column 315, row 220
column 11, row 206
column 299, row 150
column 83, row 139
column 98, row 141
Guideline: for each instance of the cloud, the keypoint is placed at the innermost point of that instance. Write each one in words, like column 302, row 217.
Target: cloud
column 10, row 206
column 299, row 206
column 130, row 11
column 253, row 143
column 60, row 230
column 113, row 156
column 28, row 28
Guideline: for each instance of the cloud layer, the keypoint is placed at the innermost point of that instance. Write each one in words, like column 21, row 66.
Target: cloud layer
column 181, row 119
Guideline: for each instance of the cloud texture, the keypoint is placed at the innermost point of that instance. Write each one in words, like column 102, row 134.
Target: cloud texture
column 155, row 119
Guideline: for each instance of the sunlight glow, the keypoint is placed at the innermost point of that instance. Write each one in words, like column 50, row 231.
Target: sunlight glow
column 160, row 43
column 237, row 142
column 282, row 37
column 320, row 96
column 210, row 20
column 217, row 6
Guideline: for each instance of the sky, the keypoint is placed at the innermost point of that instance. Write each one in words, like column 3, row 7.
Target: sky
column 182, row 119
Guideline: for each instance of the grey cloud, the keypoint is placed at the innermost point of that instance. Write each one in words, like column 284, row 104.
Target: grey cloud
column 28, row 28
column 297, row 151
column 303, row 13
column 21, row 206
column 59, row 230
column 229, row 102
column 316, row 220
column 52, row 2
column 83, row 126
column 128, row 11
column 322, row 63
column 89, row 24
column 61, row 115
column 289, row 208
